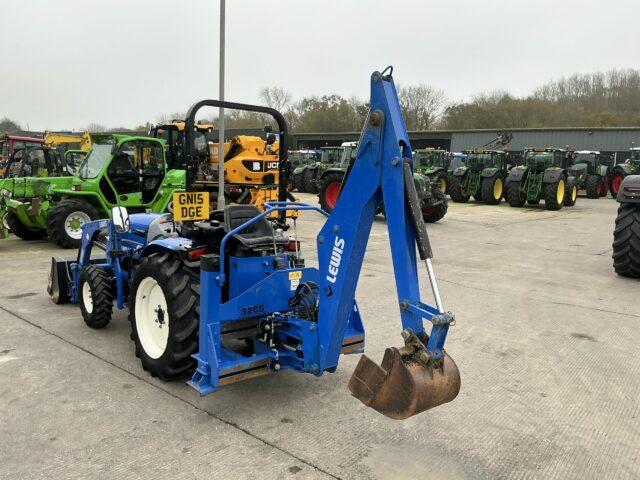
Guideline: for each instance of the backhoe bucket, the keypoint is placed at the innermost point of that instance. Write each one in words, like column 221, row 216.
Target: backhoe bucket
column 403, row 387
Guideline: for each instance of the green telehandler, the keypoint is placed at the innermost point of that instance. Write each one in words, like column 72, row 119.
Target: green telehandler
column 123, row 170
column 482, row 177
column 543, row 176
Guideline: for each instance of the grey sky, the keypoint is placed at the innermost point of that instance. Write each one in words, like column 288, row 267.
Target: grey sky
column 68, row 63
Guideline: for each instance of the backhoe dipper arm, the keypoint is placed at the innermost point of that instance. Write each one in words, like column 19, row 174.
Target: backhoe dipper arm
column 379, row 174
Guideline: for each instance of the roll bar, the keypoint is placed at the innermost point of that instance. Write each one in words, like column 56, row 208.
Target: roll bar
column 283, row 165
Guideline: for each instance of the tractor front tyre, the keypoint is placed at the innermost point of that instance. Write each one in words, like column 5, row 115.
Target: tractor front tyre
column 310, row 181
column 554, row 194
column 514, row 196
column 20, row 230
column 437, row 212
column 164, row 315
column 95, row 292
column 626, row 241
column 456, row 192
column 594, row 186
column 65, row 220
column 616, row 180
column 440, row 181
column 330, row 187
column 571, row 192
column 492, row 190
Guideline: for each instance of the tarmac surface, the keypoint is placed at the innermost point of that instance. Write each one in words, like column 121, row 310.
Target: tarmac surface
column 546, row 341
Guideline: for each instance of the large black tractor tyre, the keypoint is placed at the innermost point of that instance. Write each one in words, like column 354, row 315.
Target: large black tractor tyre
column 65, row 219
column 492, row 189
column 298, row 181
column 514, row 197
column 571, row 192
column 95, row 296
column 626, row 241
column 456, row 192
column 330, row 186
column 433, row 214
column 594, row 186
column 20, row 230
column 554, row 193
column 310, row 185
column 164, row 315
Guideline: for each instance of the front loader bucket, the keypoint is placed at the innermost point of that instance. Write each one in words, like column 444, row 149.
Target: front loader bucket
column 403, row 387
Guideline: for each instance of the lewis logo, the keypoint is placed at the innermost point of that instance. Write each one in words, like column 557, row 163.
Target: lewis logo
column 336, row 259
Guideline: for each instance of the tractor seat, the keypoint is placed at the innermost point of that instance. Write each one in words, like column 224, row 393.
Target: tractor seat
column 257, row 236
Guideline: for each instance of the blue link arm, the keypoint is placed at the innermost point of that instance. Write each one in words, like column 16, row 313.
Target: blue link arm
column 271, row 207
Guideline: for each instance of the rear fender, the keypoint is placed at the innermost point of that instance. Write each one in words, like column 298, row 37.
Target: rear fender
column 171, row 244
column 625, row 168
column 331, row 170
column 517, row 174
column 489, row 172
column 629, row 190
column 553, row 175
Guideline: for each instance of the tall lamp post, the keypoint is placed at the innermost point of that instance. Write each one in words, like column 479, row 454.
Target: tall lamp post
column 221, row 110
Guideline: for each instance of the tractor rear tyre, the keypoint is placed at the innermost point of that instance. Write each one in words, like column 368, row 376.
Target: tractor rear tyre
column 571, row 192
column 433, row 214
column 514, row 196
column 164, row 315
column 20, row 230
column 594, row 186
column 330, row 186
column 492, row 190
column 626, row 241
column 456, row 191
column 554, row 194
column 298, row 181
column 95, row 296
column 616, row 180
column 310, row 181
column 65, row 220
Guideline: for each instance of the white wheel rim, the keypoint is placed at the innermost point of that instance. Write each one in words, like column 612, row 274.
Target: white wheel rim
column 73, row 224
column 152, row 317
column 87, row 298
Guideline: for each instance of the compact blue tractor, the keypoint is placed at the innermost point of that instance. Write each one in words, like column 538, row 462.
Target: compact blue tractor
column 229, row 297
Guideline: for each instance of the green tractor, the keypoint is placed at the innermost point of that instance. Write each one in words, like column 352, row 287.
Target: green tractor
column 543, row 176
column 482, row 177
column 119, row 170
column 433, row 201
column 438, row 165
column 621, row 170
column 329, row 157
column 592, row 169
column 299, row 160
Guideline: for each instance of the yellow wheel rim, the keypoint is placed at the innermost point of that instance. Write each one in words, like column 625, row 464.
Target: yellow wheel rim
column 574, row 193
column 497, row 189
column 560, row 192
column 443, row 185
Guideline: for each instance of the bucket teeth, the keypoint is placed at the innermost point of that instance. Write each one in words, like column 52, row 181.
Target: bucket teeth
column 402, row 387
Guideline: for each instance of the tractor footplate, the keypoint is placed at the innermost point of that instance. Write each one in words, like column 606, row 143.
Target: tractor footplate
column 403, row 386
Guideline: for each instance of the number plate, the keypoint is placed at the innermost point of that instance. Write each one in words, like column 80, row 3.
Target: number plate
column 189, row 206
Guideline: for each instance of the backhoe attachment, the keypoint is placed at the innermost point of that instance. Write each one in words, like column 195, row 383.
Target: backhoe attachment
column 419, row 375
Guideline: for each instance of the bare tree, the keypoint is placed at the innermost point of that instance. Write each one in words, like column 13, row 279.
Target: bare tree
column 421, row 105
column 95, row 127
column 276, row 97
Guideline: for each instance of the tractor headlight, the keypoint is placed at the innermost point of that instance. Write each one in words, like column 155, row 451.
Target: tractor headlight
column 5, row 193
